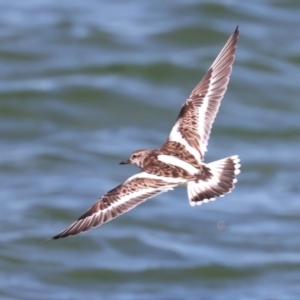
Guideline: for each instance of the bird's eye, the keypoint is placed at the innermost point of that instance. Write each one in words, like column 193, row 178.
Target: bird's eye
column 133, row 156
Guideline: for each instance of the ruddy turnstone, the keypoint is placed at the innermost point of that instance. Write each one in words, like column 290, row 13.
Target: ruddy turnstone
column 180, row 160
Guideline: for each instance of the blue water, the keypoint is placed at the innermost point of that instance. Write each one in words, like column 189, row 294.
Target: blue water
column 84, row 83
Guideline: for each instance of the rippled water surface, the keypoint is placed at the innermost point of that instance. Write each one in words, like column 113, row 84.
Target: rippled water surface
column 84, row 83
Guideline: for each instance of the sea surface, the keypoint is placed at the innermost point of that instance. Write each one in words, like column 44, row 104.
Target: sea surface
column 82, row 85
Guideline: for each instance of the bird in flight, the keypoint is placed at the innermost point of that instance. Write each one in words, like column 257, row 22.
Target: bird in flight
column 180, row 160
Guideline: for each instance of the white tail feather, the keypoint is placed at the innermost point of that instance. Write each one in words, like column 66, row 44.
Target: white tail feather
column 218, row 180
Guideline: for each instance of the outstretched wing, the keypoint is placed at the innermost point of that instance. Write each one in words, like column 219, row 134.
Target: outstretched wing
column 124, row 197
column 193, row 125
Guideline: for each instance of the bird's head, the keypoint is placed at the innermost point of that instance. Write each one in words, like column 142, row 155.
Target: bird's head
column 137, row 157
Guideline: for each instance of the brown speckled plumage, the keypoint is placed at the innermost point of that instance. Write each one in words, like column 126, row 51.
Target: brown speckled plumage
column 179, row 150
column 180, row 160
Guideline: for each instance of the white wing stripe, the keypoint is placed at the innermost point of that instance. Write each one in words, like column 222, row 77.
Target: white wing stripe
column 175, row 136
column 206, row 97
column 168, row 180
column 135, row 194
column 172, row 160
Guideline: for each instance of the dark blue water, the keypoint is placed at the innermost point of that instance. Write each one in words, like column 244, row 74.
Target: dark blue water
column 84, row 83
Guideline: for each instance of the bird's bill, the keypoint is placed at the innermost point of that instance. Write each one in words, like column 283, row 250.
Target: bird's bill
column 125, row 162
